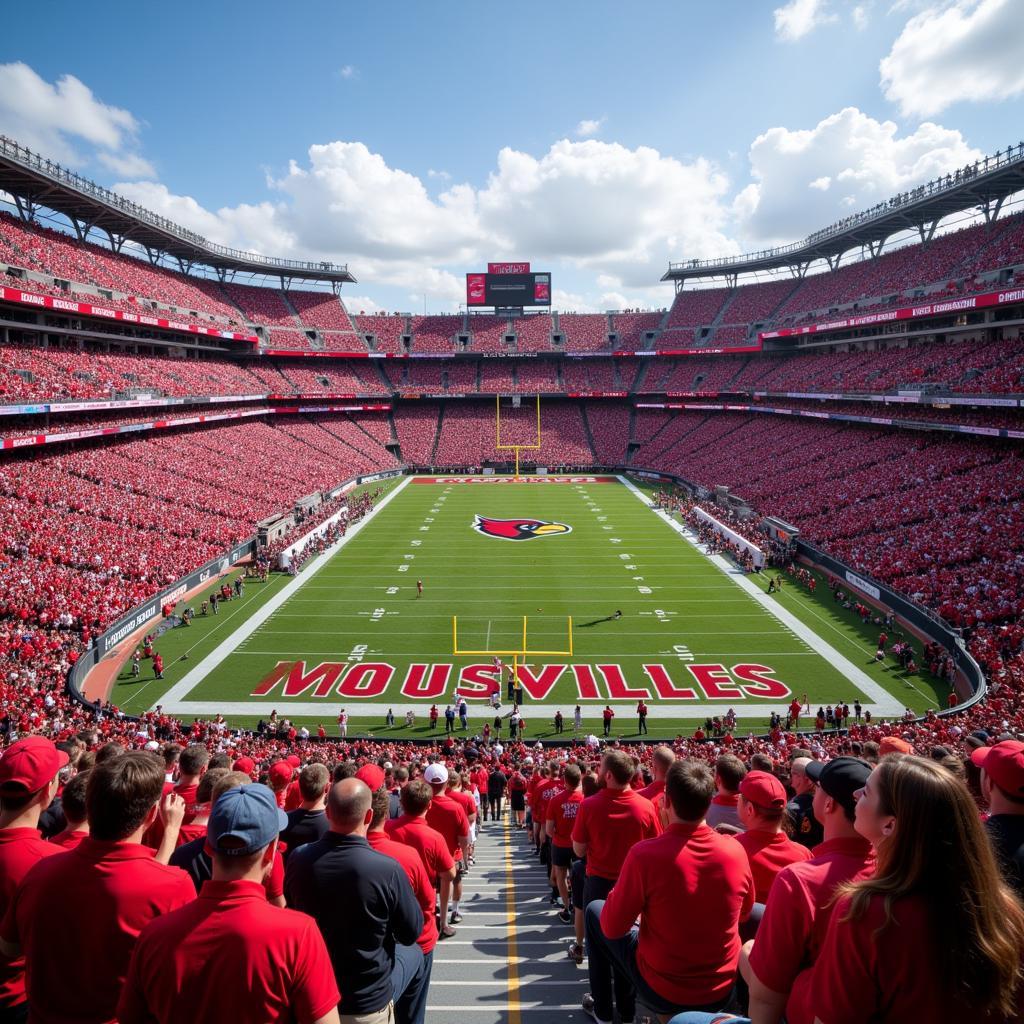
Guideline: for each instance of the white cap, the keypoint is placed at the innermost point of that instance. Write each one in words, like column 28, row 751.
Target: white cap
column 152, row 745
column 528, row 760
column 435, row 774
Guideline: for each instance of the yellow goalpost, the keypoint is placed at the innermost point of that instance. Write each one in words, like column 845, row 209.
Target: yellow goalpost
column 514, row 447
column 515, row 653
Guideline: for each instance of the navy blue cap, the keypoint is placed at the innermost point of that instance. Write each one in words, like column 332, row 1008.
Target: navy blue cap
column 244, row 820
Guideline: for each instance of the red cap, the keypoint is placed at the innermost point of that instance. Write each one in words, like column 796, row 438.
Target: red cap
column 30, row 764
column 1004, row 764
column 281, row 772
column 372, row 775
column 293, row 760
column 894, row 745
column 764, row 790
column 244, row 764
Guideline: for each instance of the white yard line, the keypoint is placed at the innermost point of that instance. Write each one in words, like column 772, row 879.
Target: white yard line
column 172, row 699
column 884, row 703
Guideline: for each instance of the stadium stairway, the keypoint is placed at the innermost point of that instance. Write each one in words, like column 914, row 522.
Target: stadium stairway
column 508, row 964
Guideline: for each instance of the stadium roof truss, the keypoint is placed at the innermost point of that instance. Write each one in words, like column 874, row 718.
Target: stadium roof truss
column 35, row 182
column 983, row 185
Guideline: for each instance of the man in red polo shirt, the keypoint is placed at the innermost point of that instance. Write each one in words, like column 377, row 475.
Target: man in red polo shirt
column 777, row 966
column 608, row 825
column 448, row 817
column 560, row 816
column 230, row 955
column 72, row 803
column 29, row 778
column 111, row 881
column 661, row 760
column 413, row 867
column 762, row 808
column 412, row 830
column 690, row 887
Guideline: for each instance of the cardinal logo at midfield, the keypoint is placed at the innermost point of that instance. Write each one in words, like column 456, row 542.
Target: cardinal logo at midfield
column 518, row 529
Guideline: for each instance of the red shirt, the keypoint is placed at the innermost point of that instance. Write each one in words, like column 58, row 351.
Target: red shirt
column 464, row 799
column 611, row 822
column 426, row 841
column 867, row 972
column 447, row 817
column 691, row 888
column 293, row 798
column 796, row 919
column 20, row 850
column 545, row 794
column 769, row 853
column 416, row 872
column 654, row 790
column 116, row 889
column 229, row 956
column 69, row 840
column 562, row 810
column 533, row 786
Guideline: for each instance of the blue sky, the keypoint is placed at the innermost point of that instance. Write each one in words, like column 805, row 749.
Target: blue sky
column 598, row 140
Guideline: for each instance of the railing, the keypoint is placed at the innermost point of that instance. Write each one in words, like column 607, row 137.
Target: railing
column 55, row 172
column 939, row 186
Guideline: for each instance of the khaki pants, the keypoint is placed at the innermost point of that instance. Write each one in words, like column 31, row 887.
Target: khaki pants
column 385, row 1015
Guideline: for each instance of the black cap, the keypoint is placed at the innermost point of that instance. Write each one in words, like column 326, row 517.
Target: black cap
column 840, row 778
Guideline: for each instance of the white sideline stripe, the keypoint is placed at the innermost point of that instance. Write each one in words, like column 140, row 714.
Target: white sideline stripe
column 171, row 700
column 885, row 703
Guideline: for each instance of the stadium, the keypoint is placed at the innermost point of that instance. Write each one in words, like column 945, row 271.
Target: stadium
column 739, row 549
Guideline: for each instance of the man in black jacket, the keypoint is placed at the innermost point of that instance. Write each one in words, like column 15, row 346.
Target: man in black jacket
column 366, row 910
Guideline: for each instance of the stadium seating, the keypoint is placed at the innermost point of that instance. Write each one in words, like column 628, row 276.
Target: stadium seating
column 435, row 333
column 632, row 329
column 387, row 330
column 322, row 310
column 584, row 332
column 533, row 332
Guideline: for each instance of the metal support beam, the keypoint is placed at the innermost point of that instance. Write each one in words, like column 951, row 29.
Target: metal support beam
column 833, row 261
column 990, row 208
column 116, row 240
column 927, row 229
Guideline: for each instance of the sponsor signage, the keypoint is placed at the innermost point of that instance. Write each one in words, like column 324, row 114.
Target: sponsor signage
column 939, row 308
column 508, row 268
column 863, row 585
column 87, row 309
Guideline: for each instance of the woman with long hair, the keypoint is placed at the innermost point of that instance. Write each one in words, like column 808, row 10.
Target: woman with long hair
column 935, row 934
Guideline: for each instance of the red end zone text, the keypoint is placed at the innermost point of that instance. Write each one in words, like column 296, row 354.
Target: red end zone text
column 433, row 681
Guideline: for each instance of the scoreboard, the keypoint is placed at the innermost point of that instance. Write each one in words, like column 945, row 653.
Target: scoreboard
column 508, row 284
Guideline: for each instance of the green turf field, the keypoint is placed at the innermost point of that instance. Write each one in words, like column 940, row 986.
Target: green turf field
column 352, row 631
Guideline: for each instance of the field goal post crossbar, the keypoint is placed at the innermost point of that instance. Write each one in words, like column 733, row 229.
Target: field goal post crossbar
column 514, row 447
column 515, row 653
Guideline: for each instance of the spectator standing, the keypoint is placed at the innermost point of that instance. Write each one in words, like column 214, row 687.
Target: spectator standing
column 76, row 826
column 448, row 817
column 608, row 825
column 497, row 781
column 308, row 822
column 777, row 964
column 688, row 874
column 366, row 910
column 229, row 955
column 29, row 777
column 112, row 881
column 416, row 872
column 412, row 830
column 560, row 817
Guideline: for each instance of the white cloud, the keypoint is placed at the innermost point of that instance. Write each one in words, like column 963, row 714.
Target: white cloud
column 868, row 158
column 362, row 304
column 860, row 17
column 587, row 128
column 798, row 18
column 54, row 118
column 442, row 175
column 348, row 71
column 573, row 302
column 964, row 51
column 821, row 184
column 130, row 165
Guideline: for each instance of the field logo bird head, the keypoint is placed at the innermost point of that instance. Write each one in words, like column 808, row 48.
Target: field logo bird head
column 518, row 529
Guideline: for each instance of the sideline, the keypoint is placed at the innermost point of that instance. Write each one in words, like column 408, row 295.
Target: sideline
column 172, row 699
column 884, row 703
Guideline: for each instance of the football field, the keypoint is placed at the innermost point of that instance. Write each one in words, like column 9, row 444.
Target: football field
column 534, row 573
